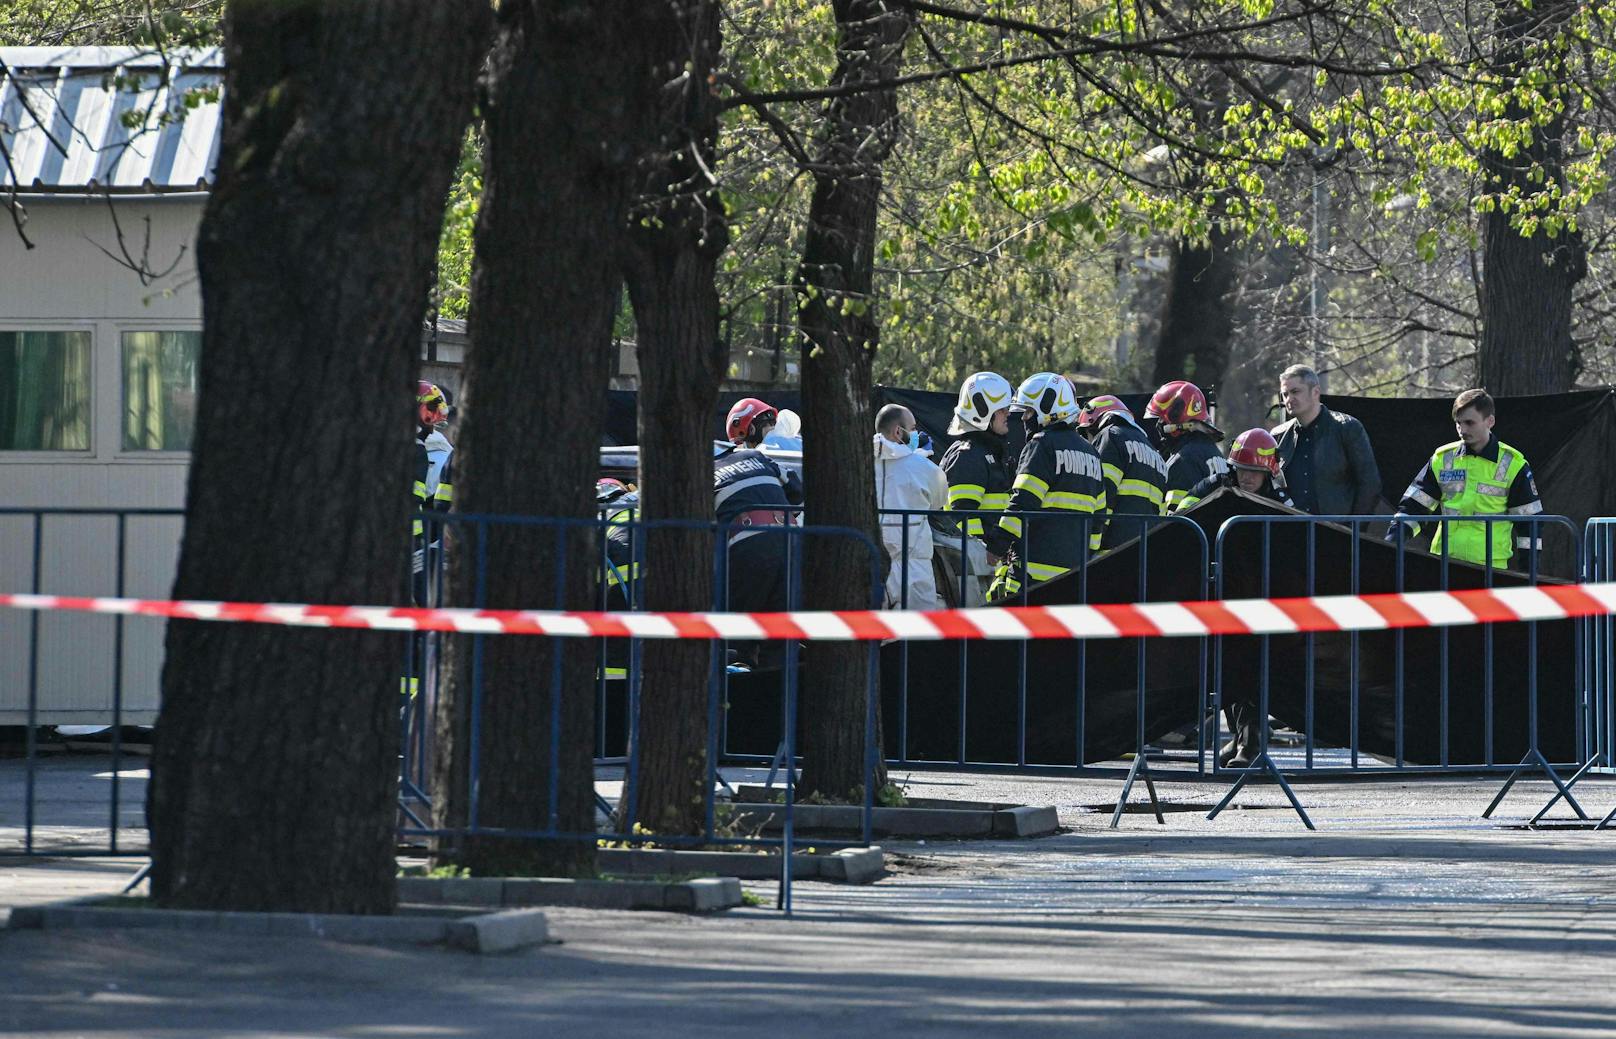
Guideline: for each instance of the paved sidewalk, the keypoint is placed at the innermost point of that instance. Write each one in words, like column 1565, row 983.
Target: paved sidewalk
column 1405, row 915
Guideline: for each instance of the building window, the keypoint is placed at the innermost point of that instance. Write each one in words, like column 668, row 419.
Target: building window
column 44, row 391
column 159, row 390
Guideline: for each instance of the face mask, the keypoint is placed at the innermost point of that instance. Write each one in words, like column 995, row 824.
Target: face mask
column 914, row 439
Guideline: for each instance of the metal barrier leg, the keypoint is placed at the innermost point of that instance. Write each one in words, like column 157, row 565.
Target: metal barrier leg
column 1140, row 770
column 1262, row 764
column 1607, row 820
column 1597, row 760
column 1535, row 760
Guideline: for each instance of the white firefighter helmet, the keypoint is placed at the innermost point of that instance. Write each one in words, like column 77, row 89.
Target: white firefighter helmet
column 1049, row 396
column 980, row 397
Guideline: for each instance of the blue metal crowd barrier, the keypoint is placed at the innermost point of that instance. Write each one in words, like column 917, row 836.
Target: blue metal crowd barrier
column 1591, row 696
column 468, row 536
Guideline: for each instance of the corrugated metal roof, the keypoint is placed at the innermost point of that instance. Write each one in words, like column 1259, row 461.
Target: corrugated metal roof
column 66, row 115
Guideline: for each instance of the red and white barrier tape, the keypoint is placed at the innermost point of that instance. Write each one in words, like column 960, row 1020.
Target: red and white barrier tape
column 1149, row 620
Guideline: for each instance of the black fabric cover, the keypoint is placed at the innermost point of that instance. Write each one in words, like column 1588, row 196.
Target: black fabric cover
column 923, row 703
column 1567, row 438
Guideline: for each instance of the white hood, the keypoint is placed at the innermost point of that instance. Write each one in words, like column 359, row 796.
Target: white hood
column 885, row 448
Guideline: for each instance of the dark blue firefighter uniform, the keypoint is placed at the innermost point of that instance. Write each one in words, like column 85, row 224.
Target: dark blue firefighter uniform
column 751, row 496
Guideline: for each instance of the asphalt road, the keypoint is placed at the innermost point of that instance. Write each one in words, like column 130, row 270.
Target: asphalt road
column 1403, row 916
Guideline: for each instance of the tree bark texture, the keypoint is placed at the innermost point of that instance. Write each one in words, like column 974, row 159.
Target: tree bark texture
column 677, row 235
column 560, row 104
column 274, row 772
column 836, row 315
column 1527, row 280
column 1198, row 311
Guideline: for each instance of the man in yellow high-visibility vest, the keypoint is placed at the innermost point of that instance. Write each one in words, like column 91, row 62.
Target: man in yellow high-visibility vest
column 1476, row 475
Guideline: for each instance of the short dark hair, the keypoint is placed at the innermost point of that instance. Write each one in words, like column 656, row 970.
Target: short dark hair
column 889, row 417
column 1477, row 398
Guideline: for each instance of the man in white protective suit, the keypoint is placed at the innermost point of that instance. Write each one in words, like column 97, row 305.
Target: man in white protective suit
column 907, row 478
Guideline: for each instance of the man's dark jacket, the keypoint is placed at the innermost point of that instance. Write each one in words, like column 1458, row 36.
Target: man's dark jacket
column 1346, row 481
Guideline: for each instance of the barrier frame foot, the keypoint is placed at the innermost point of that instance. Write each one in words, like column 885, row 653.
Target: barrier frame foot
column 1140, row 770
column 1597, row 760
column 1533, row 761
column 1263, row 764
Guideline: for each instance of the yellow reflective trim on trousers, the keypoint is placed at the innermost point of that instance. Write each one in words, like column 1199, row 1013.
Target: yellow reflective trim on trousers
column 1029, row 482
column 1011, row 525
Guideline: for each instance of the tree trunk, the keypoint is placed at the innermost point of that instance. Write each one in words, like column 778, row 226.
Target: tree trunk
column 560, row 107
column 677, row 236
column 836, row 315
column 275, row 772
column 1527, row 280
column 1198, row 311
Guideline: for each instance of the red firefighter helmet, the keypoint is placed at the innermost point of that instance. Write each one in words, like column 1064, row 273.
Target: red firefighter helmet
column 1257, row 450
column 745, row 412
column 1099, row 407
column 431, row 405
column 1177, row 404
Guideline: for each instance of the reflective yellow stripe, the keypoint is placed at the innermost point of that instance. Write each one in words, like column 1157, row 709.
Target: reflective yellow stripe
column 1112, row 472
column 958, row 491
column 1043, row 571
column 445, row 492
column 973, row 526
column 1141, row 489
column 416, row 528
column 613, row 672
column 420, row 490
column 1011, row 525
column 1029, row 482
column 1072, row 501
column 1094, row 541
column 1185, row 500
column 616, row 575
column 998, row 501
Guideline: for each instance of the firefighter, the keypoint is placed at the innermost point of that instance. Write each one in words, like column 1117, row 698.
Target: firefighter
column 431, row 409
column 1253, row 466
column 752, row 498
column 977, row 466
column 619, row 505
column 1060, row 473
column 1135, row 474
column 1476, row 475
column 1181, row 427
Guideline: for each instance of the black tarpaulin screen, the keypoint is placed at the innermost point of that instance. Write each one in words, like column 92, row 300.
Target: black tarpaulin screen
column 1568, row 438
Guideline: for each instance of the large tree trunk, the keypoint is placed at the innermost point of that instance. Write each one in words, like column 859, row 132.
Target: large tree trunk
column 1198, row 311
column 274, row 774
column 1526, row 344
column 677, row 237
column 836, row 315
column 560, row 107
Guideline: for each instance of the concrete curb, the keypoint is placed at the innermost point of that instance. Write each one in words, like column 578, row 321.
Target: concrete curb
column 702, row 895
column 847, row 865
column 1006, row 821
column 479, row 933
